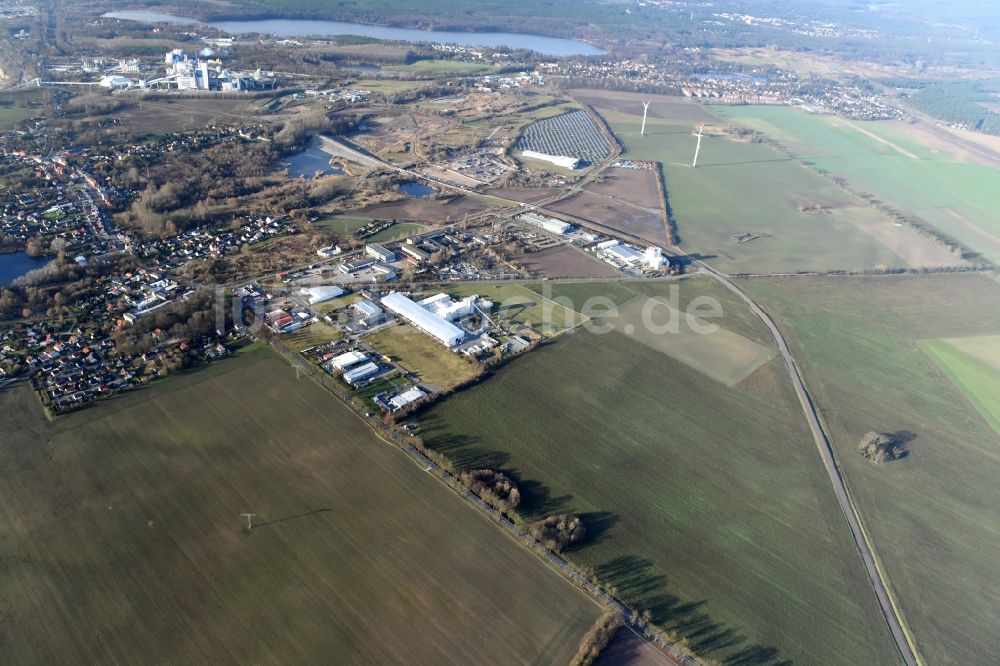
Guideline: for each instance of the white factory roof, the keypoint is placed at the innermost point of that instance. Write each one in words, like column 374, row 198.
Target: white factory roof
column 367, row 308
column 406, row 397
column 360, row 372
column 625, row 253
column 559, row 160
column 424, row 319
column 346, row 360
column 321, row 294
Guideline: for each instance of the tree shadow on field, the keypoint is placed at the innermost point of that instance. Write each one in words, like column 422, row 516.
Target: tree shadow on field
column 696, row 256
column 537, row 501
column 901, row 439
column 639, row 583
column 597, row 524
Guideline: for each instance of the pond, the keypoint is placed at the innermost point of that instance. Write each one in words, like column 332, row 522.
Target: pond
column 13, row 266
column 416, row 190
column 311, row 160
column 552, row 46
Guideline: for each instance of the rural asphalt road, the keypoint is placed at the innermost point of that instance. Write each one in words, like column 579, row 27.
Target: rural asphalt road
column 839, row 487
column 889, row 610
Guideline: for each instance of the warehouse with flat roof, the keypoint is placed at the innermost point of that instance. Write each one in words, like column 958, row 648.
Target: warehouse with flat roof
column 430, row 323
column 365, row 371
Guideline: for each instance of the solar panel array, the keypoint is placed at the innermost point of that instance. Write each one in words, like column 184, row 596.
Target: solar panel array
column 572, row 134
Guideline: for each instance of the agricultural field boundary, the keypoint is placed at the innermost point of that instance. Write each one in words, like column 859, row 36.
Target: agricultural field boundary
column 876, row 573
column 644, row 629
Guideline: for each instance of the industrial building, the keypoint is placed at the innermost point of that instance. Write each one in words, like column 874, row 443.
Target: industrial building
column 445, row 307
column 321, row 294
column 415, row 253
column 366, row 308
column 361, row 372
column 563, row 161
column 427, row 321
column 550, row 224
column 625, row 254
column 380, row 253
column 185, row 73
column 357, row 265
column 405, row 398
column 348, row 359
column 653, row 258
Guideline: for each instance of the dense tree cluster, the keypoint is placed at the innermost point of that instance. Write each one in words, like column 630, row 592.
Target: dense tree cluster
column 880, row 447
column 597, row 639
column 94, row 104
column 186, row 319
column 561, row 532
column 959, row 102
column 493, row 487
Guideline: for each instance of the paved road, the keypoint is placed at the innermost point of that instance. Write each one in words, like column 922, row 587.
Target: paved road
column 876, row 577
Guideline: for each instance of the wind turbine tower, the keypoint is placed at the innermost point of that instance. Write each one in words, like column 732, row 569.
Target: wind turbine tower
column 697, row 148
column 645, row 108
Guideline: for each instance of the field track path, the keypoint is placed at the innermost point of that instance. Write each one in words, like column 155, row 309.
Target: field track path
column 875, row 573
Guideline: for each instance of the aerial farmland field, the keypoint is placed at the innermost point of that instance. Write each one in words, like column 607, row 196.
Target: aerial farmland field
column 871, row 350
column 973, row 365
column 624, row 199
column 804, row 222
column 706, row 503
column 565, row 261
column 121, row 533
column 940, row 187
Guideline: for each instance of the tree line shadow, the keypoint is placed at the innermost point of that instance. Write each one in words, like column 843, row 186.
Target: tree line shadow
column 636, row 580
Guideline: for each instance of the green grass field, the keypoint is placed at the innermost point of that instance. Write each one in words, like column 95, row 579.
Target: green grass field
column 933, row 514
column 706, row 504
column 443, row 67
column 342, row 224
column 397, row 231
column 967, row 362
column 423, row 356
column 575, row 296
column 11, row 111
column 348, row 225
column 121, row 539
column 742, row 187
column 697, row 342
column 956, row 197
column 310, row 336
column 520, row 304
column 387, row 86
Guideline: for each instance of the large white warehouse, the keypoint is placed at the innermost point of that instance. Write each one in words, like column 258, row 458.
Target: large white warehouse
column 432, row 324
column 563, row 161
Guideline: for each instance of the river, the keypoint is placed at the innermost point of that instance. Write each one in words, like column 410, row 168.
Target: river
column 13, row 266
column 552, row 46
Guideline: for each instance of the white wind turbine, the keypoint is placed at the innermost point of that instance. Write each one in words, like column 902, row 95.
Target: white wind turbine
column 645, row 108
column 697, row 148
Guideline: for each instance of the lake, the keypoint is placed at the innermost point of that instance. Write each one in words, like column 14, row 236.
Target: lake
column 553, row 46
column 416, row 190
column 311, row 160
column 13, row 266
